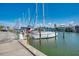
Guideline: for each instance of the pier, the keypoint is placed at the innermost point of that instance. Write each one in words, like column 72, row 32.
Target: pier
column 10, row 46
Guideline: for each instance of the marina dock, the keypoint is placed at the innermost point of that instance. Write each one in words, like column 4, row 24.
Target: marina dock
column 9, row 46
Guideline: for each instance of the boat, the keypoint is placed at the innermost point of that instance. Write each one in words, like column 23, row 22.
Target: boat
column 42, row 34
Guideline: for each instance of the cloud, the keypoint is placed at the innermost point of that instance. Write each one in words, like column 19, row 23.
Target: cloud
column 72, row 22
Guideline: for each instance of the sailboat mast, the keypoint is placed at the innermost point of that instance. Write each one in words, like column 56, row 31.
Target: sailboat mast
column 29, row 16
column 23, row 19
column 43, row 16
column 19, row 24
column 36, row 16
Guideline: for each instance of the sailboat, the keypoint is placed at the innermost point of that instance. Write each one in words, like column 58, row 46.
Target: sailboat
column 42, row 34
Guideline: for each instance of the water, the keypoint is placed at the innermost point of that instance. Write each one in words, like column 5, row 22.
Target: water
column 67, row 46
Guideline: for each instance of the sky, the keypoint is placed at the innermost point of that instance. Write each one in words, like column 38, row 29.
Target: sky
column 55, row 13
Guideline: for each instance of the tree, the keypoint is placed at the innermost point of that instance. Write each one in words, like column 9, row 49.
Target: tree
column 1, row 27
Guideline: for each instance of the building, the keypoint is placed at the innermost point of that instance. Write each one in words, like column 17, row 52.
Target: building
column 77, row 28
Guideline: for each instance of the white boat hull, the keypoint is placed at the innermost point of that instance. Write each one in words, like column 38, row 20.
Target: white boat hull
column 43, row 35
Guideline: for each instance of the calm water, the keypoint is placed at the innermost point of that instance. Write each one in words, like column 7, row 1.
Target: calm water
column 59, row 47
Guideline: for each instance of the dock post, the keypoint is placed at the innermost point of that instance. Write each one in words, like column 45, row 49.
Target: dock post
column 63, row 32
column 27, row 35
column 27, row 39
column 39, row 35
column 55, row 30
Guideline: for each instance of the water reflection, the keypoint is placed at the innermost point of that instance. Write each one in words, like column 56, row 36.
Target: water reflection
column 69, row 45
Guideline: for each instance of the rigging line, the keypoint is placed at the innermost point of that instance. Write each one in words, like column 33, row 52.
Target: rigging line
column 43, row 16
column 36, row 15
column 29, row 16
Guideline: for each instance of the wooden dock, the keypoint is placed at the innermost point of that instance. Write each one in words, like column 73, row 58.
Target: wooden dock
column 13, row 48
column 9, row 46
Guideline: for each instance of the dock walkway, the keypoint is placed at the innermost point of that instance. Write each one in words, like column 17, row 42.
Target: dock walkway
column 11, row 47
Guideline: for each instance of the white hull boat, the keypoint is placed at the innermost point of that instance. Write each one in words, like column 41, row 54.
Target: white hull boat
column 43, row 34
column 46, row 34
